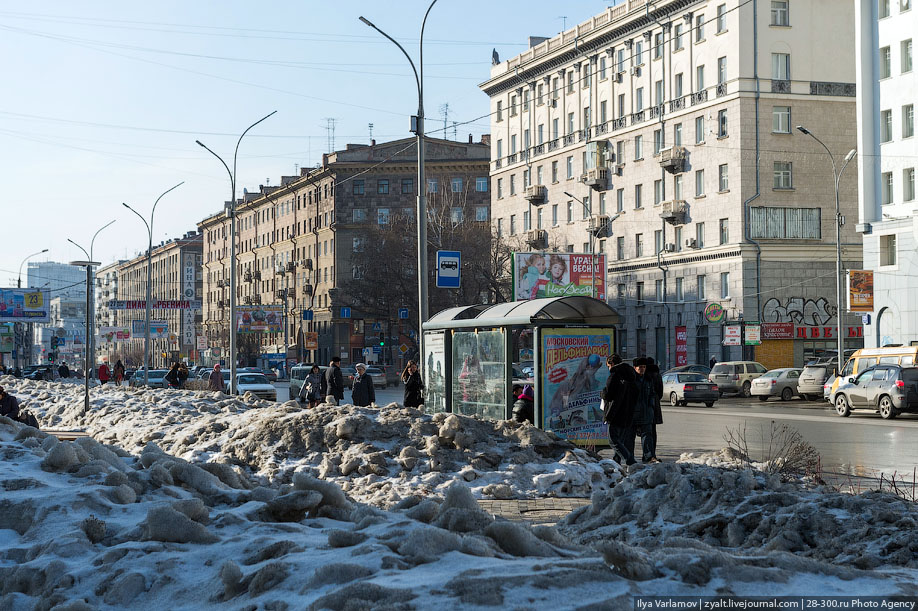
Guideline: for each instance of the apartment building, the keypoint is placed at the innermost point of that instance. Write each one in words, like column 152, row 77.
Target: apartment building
column 297, row 241
column 887, row 95
column 106, row 290
column 67, row 283
column 679, row 115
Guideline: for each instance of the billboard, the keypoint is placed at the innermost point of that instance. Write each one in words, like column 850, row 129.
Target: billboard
column 108, row 335
column 573, row 372
column 556, row 274
column 159, row 329
column 7, row 341
column 860, row 290
column 260, row 319
column 24, row 305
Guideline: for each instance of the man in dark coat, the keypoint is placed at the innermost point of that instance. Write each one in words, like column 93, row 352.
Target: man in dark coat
column 362, row 393
column 9, row 406
column 653, row 372
column 63, row 370
column 643, row 409
column 619, row 397
column 334, row 382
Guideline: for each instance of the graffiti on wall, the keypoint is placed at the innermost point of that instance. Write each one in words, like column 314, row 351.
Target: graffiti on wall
column 798, row 310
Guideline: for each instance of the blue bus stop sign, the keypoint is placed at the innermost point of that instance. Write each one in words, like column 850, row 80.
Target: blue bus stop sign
column 449, row 264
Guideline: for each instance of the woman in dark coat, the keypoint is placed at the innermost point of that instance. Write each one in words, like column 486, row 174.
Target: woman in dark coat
column 414, row 385
column 311, row 390
column 524, row 406
column 173, row 376
column 362, row 393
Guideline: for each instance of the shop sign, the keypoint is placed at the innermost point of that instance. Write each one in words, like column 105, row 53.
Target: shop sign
column 753, row 332
column 733, row 335
column 681, row 346
column 714, row 312
column 778, row 330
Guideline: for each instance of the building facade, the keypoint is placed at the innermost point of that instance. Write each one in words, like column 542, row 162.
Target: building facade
column 67, row 284
column 106, row 290
column 679, row 116
column 297, row 243
column 887, row 95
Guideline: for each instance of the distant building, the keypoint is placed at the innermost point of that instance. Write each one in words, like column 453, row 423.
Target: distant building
column 106, row 290
column 65, row 285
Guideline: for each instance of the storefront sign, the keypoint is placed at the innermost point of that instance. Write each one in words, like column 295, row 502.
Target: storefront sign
column 681, row 346
column 201, row 342
column 156, row 305
column 557, row 274
column 113, row 334
column 753, row 333
column 778, row 330
column 733, row 335
column 860, row 290
column 714, row 312
column 7, row 343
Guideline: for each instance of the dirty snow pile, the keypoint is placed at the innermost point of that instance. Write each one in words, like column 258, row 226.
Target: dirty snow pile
column 87, row 526
column 377, row 455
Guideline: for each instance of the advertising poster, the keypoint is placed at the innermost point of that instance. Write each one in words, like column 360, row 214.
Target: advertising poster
column 434, row 372
column 753, row 334
column 681, row 346
column 573, row 373
column 778, row 330
column 311, row 340
column 556, row 274
column 260, row 319
column 860, row 290
column 7, row 342
column 108, row 335
column 24, row 305
column 733, row 335
column 159, row 329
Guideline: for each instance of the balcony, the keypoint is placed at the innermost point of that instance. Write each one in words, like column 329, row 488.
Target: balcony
column 602, row 128
column 700, row 97
column 568, row 139
column 553, row 145
column 674, row 212
column 597, row 179
column 511, row 158
column 498, row 163
column 721, row 90
column 656, row 111
column 637, row 117
column 620, row 123
column 673, row 159
column 536, row 194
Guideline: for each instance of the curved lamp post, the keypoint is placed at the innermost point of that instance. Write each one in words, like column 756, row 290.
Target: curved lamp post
column 418, row 128
column 838, row 223
column 29, row 327
column 231, row 213
column 34, row 254
column 149, row 226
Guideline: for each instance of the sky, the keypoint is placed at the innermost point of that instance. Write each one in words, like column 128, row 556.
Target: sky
column 103, row 101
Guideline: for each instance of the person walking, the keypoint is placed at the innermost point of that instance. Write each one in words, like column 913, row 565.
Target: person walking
column 524, row 406
column 619, row 397
column 653, row 372
column 712, row 362
column 119, row 372
column 643, row 410
column 63, row 370
column 311, row 390
column 173, row 376
column 215, row 381
column 104, row 374
column 182, row 374
column 362, row 392
column 414, row 385
column 334, row 382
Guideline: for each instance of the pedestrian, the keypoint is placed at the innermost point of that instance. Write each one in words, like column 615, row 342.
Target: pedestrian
column 17, row 372
column 182, row 374
column 104, row 374
column 524, row 406
column 334, row 382
column 119, row 372
column 215, row 381
column 653, row 372
column 362, row 392
column 712, row 362
column 414, row 385
column 619, row 396
column 173, row 376
column 311, row 390
column 643, row 410
column 9, row 406
column 63, row 370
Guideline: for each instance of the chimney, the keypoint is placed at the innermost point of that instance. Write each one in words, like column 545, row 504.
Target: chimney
column 470, row 139
column 373, row 142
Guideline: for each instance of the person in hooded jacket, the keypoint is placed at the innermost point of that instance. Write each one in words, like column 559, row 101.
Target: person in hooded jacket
column 362, row 392
column 414, row 385
column 524, row 406
column 643, row 409
column 334, row 382
column 215, row 382
column 619, row 397
column 653, row 372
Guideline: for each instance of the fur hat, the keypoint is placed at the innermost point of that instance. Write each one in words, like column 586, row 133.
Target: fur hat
column 640, row 361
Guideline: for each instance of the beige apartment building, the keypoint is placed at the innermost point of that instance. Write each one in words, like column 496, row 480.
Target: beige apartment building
column 679, row 116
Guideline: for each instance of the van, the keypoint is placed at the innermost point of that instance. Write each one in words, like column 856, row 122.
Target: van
column 736, row 376
column 904, row 356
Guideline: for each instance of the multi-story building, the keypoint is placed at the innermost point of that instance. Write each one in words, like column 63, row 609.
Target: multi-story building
column 106, row 290
column 297, row 241
column 887, row 88
column 680, row 115
column 66, row 283
column 176, row 278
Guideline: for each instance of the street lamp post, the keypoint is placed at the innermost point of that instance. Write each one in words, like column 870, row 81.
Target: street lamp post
column 146, row 337
column 231, row 213
column 838, row 261
column 422, row 183
column 592, row 236
column 90, row 344
column 34, row 254
column 29, row 327
column 88, row 265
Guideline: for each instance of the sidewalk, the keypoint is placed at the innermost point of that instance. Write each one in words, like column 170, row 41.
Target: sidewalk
column 535, row 511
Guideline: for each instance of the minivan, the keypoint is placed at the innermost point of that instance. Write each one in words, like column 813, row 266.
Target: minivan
column 863, row 359
column 736, row 376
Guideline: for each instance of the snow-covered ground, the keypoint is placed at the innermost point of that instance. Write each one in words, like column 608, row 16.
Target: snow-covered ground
column 232, row 518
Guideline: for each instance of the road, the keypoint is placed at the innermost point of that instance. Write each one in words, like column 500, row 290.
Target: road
column 861, row 445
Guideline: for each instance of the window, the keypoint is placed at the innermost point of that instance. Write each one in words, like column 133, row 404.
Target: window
column 721, row 70
column 513, row 144
column 500, row 188
column 885, row 63
column 906, row 54
column 620, row 248
column 657, row 141
column 883, row 8
column 620, row 151
column 512, row 224
column 885, row 125
column 908, row 120
column 888, row 249
column 780, row 66
column 481, row 214
column 677, row 187
column 540, row 133
column 360, row 215
column 657, row 241
column 526, row 181
column 526, row 140
column 677, row 238
column 699, row 78
column 359, row 244
column 620, row 294
column 722, row 124
column 382, row 186
column 658, row 45
column 639, row 53
column 699, row 28
column 554, row 88
column 699, row 235
column 658, row 291
column 784, row 175
column 570, row 212
column 526, row 99
column 723, row 182
column 358, row 187
column 587, row 208
column 513, row 184
column 603, row 115
column 723, row 226
column 658, row 93
column 554, row 128
column 621, row 105
column 680, row 295
column 699, row 130
column 539, row 219
column 602, row 204
column 780, row 14
column 886, row 188
column 905, row 5
column 638, row 245
column 570, row 81
column 638, row 148
column 587, row 118
column 602, row 67
column 554, row 171
column 602, row 247
column 481, row 184
column 407, row 185
column 677, row 134
column 780, row 119
column 702, row 293
column 699, row 183
column 639, row 99
column 513, row 109
column 721, row 18
column 621, row 60
column 570, row 123
column 500, row 110
column 639, row 294
column 586, row 75
column 908, row 184
column 620, row 200
column 637, row 196
column 539, row 180
column 657, row 192
column 570, row 166
column 724, row 285
column 677, row 88
column 500, row 227
column 526, row 222
column 500, row 153
column 677, row 38
column 785, row 223
column 382, row 216
column 554, row 215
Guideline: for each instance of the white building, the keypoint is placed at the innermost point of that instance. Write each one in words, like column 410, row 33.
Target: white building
column 66, row 285
column 887, row 94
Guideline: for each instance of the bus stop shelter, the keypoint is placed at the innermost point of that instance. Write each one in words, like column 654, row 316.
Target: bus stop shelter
column 469, row 353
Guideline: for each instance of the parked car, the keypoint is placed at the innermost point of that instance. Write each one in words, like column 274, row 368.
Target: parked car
column 886, row 389
column 156, row 378
column 378, row 376
column 39, row 372
column 270, row 374
column 702, row 369
column 736, row 376
column 777, row 383
column 255, row 383
column 813, row 378
column 682, row 388
column 865, row 358
column 527, row 368
column 393, row 374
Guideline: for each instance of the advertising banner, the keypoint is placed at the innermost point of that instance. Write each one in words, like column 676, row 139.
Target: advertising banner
column 188, row 279
column 156, row 305
column 159, row 329
column 753, row 332
column 573, row 372
column 778, row 330
column 435, row 372
column 201, row 342
column 860, row 290
column 556, row 274
column 7, row 342
column 108, row 335
column 311, row 340
column 260, row 319
column 681, row 346
column 733, row 335
column 24, row 305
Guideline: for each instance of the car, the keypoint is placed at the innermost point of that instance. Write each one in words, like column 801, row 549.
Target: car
column 777, row 383
column 378, row 376
column 270, row 374
column 393, row 375
column 813, row 378
column 865, row 358
column 155, row 377
column 736, row 376
column 682, row 388
column 255, row 383
column 886, row 389
column 702, row 369
column 298, row 375
column 39, row 372
column 526, row 367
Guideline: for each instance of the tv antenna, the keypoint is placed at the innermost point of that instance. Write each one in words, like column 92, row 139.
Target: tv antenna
column 371, row 132
column 330, row 133
column 563, row 19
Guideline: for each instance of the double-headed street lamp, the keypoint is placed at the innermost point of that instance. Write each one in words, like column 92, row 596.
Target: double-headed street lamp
column 231, row 213
column 592, row 233
column 418, row 128
column 146, row 337
column 89, row 363
column 838, row 261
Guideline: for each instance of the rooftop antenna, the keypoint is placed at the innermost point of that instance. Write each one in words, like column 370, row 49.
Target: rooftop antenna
column 371, row 132
column 330, row 133
column 563, row 19
column 296, row 169
column 455, row 125
column 444, row 110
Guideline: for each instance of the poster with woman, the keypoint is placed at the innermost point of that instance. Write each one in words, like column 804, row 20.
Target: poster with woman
column 557, row 274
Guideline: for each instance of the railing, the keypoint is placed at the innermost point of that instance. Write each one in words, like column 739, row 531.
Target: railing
column 568, row 139
column 721, row 90
column 620, row 123
column 497, row 163
column 511, row 158
column 637, row 117
column 602, row 128
column 656, row 111
column 582, row 135
column 553, row 145
column 780, row 86
column 700, row 96
column 540, row 149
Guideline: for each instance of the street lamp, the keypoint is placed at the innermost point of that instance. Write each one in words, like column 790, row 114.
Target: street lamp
column 89, row 346
column 88, row 265
column 422, row 183
column 592, row 233
column 231, row 212
column 34, row 254
column 838, row 223
column 146, row 337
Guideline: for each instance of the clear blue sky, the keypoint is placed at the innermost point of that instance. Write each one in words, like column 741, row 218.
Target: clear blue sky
column 102, row 101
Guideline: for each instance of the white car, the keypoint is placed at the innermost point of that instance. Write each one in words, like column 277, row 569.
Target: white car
column 255, row 383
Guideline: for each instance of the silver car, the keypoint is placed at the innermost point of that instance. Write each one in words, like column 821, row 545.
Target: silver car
column 811, row 385
column 886, row 389
column 685, row 388
column 776, row 383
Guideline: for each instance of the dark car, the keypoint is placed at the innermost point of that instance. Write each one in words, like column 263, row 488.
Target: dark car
column 886, row 389
column 702, row 369
column 393, row 375
column 39, row 372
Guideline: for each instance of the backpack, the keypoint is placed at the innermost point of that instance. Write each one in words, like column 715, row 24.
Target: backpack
column 27, row 418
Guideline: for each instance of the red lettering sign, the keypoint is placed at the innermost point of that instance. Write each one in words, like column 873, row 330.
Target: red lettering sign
column 681, row 346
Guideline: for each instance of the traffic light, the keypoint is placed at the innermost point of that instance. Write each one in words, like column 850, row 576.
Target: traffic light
column 382, row 339
column 51, row 357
